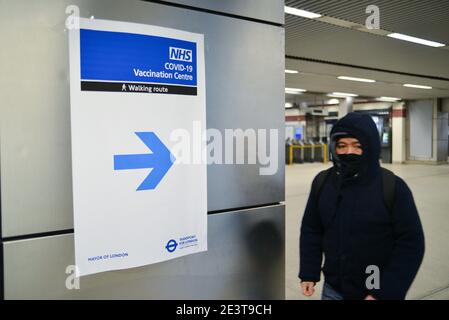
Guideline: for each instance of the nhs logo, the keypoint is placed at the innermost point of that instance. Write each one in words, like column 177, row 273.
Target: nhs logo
column 180, row 54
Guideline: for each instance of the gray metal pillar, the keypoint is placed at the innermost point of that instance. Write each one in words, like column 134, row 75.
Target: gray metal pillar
column 245, row 259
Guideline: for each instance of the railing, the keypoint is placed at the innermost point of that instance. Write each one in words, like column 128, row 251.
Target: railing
column 312, row 158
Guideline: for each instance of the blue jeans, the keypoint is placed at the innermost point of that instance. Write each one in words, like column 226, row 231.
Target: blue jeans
column 330, row 293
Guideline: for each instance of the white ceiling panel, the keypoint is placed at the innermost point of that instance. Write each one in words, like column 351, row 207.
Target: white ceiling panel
column 324, row 50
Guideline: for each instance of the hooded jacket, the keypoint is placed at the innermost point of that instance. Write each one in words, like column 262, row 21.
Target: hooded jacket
column 350, row 224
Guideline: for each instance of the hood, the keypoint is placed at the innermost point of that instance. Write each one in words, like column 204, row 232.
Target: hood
column 362, row 127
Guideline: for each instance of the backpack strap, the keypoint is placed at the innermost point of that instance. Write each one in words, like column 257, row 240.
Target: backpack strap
column 388, row 184
column 321, row 177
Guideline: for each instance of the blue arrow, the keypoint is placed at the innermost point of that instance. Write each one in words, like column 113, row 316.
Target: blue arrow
column 160, row 160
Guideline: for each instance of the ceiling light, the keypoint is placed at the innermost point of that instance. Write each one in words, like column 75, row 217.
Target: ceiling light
column 342, row 94
column 295, row 89
column 415, row 40
column 290, row 71
column 288, row 105
column 388, row 99
column 416, row 86
column 301, row 13
column 333, row 101
column 355, row 79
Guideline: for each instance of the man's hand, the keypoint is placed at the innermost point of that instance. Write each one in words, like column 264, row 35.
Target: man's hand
column 308, row 288
column 370, row 297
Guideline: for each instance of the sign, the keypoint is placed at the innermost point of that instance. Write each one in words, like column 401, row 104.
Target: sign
column 131, row 86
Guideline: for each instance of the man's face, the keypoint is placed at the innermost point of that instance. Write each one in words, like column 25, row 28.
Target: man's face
column 349, row 146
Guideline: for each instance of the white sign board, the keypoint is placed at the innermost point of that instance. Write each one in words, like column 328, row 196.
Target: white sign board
column 131, row 86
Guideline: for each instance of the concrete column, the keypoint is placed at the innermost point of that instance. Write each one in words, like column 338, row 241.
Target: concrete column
column 427, row 135
column 399, row 115
column 345, row 106
column 445, row 108
column 440, row 134
column 445, row 105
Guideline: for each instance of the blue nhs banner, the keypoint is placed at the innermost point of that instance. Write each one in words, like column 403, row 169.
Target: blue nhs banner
column 128, row 57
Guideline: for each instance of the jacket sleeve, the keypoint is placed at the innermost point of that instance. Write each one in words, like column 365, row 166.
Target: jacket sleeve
column 310, row 244
column 400, row 271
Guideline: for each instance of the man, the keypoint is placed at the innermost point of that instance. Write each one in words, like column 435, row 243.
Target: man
column 348, row 219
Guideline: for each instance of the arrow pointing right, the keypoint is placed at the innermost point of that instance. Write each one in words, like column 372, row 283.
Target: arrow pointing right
column 160, row 160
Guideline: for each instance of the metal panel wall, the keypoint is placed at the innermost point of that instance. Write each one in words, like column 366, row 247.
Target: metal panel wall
column 244, row 84
column 245, row 260
column 267, row 10
column 244, row 81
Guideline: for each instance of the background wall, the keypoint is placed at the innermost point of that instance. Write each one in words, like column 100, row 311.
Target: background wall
column 420, row 115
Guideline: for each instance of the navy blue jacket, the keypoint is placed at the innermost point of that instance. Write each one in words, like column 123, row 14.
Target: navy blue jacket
column 349, row 223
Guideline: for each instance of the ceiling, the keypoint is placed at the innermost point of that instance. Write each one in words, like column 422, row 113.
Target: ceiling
column 321, row 51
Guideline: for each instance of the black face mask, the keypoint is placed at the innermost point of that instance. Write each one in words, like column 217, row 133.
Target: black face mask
column 350, row 164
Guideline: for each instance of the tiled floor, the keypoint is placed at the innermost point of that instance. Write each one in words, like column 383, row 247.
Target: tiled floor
column 430, row 187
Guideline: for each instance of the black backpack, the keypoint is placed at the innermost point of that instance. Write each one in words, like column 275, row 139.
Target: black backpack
column 388, row 184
